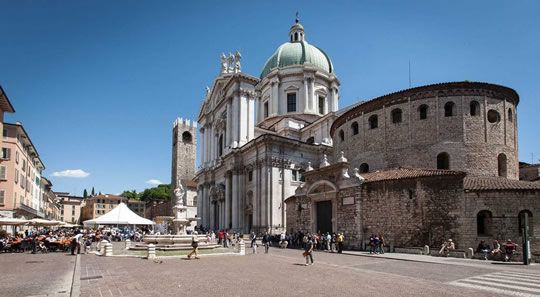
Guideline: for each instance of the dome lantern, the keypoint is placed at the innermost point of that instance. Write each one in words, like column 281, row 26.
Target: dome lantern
column 297, row 33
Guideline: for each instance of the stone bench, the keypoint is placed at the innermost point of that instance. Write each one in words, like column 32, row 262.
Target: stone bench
column 462, row 254
column 409, row 250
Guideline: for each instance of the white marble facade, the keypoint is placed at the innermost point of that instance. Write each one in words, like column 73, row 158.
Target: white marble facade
column 257, row 137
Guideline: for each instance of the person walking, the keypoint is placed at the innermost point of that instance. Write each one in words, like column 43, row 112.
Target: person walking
column 372, row 244
column 381, row 238
column 266, row 242
column 253, row 238
column 328, row 241
column 225, row 238
column 308, row 251
column 340, row 242
column 195, row 246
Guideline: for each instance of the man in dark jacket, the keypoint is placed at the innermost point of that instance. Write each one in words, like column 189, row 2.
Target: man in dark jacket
column 308, row 251
column 266, row 242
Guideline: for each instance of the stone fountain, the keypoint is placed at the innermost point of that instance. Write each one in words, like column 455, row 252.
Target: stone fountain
column 180, row 220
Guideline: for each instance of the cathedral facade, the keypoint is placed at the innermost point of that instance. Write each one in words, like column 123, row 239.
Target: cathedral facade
column 419, row 165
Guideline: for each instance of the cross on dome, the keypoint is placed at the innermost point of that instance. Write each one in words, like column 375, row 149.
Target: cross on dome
column 297, row 33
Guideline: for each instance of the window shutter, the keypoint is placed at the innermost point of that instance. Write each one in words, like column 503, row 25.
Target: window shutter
column 2, row 194
column 8, row 154
column 3, row 172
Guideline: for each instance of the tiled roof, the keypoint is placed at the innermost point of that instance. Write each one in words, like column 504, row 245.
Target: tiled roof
column 486, row 183
column 189, row 183
column 405, row 173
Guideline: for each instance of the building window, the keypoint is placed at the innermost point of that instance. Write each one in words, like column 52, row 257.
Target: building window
column 449, row 109
column 311, row 140
column 510, row 115
column 493, row 116
column 341, row 135
column 295, row 36
column 186, row 137
column 23, row 165
column 443, row 161
column 521, row 221
column 354, row 128
column 294, row 175
column 373, row 122
column 396, row 116
column 364, row 168
column 475, row 108
column 5, row 134
column 250, row 175
column 291, row 102
column 321, row 105
column 220, row 145
column 3, row 173
column 17, row 157
column 422, row 110
column 483, row 223
column 16, row 175
column 301, row 176
column 265, row 109
column 501, row 165
column 2, row 196
column 6, row 153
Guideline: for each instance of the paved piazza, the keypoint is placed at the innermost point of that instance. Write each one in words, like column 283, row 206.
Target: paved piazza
column 279, row 273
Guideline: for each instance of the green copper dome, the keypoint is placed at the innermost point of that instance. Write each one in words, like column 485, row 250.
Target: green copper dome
column 297, row 53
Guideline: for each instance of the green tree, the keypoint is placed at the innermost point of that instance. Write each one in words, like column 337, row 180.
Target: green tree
column 132, row 195
column 85, row 194
column 93, row 192
column 161, row 192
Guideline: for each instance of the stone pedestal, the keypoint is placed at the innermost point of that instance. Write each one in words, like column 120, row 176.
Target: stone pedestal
column 426, row 250
column 128, row 244
column 108, row 250
column 151, row 251
column 242, row 247
column 470, row 253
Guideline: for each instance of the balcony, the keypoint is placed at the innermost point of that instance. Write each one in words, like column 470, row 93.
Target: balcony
column 26, row 208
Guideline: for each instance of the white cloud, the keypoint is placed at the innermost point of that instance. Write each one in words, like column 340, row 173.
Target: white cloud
column 154, row 182
column 77, row 173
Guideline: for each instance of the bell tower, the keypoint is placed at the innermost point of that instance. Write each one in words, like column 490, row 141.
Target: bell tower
column 184, row 150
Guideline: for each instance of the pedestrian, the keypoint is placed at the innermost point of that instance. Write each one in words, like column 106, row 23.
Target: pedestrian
column 377, row 244
column 253, row 238
column 333, row 243
column 76, row 243
column 483, row 248
column 225, row 239
column 381, row 238
column 308, row 251
column 266, row 242
column 195, row 246
column 220, row 237
column 372, row 244
column 328, row 241
column 283, row 240
column 340, row 239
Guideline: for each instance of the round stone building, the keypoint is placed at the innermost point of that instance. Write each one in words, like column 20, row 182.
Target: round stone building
column 463, row 126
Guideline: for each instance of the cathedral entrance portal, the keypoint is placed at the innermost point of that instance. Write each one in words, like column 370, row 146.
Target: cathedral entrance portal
column 324, row 216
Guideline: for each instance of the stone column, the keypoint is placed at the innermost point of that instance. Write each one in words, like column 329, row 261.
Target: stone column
column 207, row 132
column 230, row 121
column 212, row 215
column 236, row 121
column 250, row 123
column 264, row 196
column 201, row 132
column 306, row 95
column 235, row 191
column 312, row 98
column 275, row 96
column 229, row 190
column 199, row 204
column 256, row 195
column 241, row 199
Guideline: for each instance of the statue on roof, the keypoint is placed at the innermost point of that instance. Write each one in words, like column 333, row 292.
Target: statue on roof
column 237, row 66
column 223, row 63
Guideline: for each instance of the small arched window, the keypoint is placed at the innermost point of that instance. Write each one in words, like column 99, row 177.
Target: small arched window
column 296, row 36
column 422, row 110
column 311, row 140
column 501, row 165
column 475, row 108
column 521, row 221
column 396, row 115
column 220, row 147
column 449, row 109
column 443, row 161
column 484, row 222
column 510, row 115
column 186, row 137
column 373, row 122
column 354, row 128
column 341, row 135
column 364, row 168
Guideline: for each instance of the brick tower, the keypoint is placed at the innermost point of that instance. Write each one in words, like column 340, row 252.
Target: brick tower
column 184, row 151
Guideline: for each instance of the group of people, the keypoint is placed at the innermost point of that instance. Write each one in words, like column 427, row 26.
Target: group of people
column 507, row 249
column 376, row 244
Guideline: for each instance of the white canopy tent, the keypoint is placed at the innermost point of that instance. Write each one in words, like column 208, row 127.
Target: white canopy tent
column 120, row 215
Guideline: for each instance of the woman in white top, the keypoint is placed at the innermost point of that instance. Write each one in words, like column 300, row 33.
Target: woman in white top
column 195, row 245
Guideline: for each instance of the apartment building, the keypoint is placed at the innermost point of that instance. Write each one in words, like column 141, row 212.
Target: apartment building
column 99, row 205
column 50, row 202
column 20, row 174
column 137, row 207
column 70, row 207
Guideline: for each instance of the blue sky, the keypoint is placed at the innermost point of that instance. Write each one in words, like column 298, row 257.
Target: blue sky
column 98, row 84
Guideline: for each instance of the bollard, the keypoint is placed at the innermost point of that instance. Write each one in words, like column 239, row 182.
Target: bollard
column 128, row 244
column 470, row 253
column 108, row 250
column 242, row 247
column 101, row 248
column 151, row 252
column 426, row 250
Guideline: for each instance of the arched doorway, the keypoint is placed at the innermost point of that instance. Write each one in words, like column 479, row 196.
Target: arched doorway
column 324, row 206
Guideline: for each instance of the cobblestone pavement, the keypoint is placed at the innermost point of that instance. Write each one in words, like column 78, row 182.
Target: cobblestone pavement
column 26, row 274
column 282, row 273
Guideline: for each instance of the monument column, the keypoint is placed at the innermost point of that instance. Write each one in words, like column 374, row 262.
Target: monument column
column 235, row 191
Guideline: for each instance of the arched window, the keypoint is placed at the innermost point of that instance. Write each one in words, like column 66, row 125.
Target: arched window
column 510, row 115
column 354, row 128
column 449, row 109
column 443, row 161
column 396, row 115
column 422, row 110
column 186, row 137
column 364, row 168
column 341, row 135
column 295, row 36
column 373, row 122
column 301, row 173
column 521, row 221
column 501, row 165
column 483, row 223
column 475, row 108
column 311, row 140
